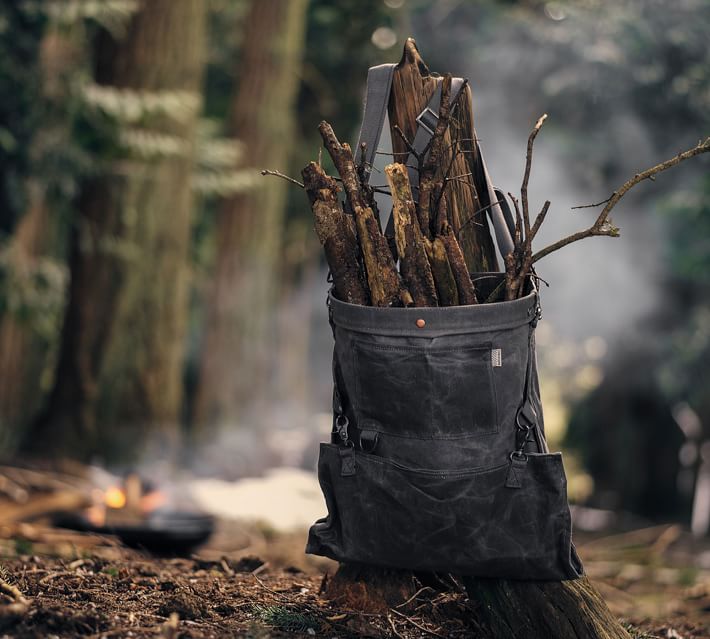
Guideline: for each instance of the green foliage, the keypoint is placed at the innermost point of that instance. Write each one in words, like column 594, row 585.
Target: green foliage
column 683, row 370
column 338, row 53
column 620, row 80
column 23, row 546
column 688, row 214
column 33, row 293
column 20, row 112
column 110, row 14
column 217, row 159
column 286, row 618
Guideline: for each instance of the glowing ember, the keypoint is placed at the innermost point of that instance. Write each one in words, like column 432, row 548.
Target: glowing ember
column 115, row 498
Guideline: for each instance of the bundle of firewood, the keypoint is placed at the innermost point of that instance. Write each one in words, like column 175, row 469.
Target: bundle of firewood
column 440, row 236
column 432, row 269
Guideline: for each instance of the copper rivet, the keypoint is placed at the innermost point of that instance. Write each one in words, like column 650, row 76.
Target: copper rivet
column 421, row 323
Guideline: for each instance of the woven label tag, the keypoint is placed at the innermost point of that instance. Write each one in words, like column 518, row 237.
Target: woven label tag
column 496, row 358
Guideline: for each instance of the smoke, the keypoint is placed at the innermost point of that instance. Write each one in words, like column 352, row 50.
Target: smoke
column 599, row 286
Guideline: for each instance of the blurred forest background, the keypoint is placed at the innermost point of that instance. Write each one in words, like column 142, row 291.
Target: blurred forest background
column 160, row 299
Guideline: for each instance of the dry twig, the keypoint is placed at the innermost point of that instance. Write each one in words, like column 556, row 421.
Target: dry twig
column 603, row 225
column 282, row 176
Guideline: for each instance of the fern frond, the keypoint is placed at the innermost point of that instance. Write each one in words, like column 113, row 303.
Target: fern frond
column 148, row 144
column 113, row 15
column 131, row 106
column 224, row 184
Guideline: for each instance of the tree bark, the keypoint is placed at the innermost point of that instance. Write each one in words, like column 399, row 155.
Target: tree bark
column 119, row 374
column 413, row 261
column 386, row 288
column 546, row 609
column 336, row 233
column 443, row 275
column 20, row 348
column 249, row 227
column 28, row 336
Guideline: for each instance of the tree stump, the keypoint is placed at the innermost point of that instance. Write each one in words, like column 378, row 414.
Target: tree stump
column 507, row 609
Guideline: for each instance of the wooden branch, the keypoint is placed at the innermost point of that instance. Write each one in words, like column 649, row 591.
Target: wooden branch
column 414, row 264
column 464, row 285
column 430, row 166
column 539, row 219
column 518, row 268
column 512, row 261
column 386, row 288
column 602, row 225
column 282, row 176
column 526, row 176
column 406, row 142
column 337, row 235
column 446, row 290
column 368, row 191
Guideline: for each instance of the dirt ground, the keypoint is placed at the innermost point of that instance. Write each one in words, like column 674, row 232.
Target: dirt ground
column 650, row 578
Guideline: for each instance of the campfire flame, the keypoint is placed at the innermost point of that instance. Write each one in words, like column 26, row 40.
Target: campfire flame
column 114, row 497
column 126, row 502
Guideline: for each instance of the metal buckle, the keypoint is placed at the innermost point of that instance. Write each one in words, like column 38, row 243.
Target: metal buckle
column 341, row 427
column 434, row 119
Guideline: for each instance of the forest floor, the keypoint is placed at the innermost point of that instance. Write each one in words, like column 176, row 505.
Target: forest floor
column 650, row 578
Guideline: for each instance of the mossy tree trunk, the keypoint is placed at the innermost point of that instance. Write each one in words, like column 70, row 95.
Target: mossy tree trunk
column 119, row 374
column 240, row 325
column 33, row 277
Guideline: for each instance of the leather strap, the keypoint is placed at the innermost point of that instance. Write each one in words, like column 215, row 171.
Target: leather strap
column 505, row 208
column 504, row 237
column 379, row 84
column 427, row 121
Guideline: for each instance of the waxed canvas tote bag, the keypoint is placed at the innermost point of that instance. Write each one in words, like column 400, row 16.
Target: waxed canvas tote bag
column 437, row 459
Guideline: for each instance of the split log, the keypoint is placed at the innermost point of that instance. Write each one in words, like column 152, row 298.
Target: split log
column 412, row 86
column 386, row 288
column 337, row 235
column 413, row 261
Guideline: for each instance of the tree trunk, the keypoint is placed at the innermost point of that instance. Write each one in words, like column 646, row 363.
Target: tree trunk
column 20, row 360
column 32, row 255
column 240, row 307
column 505, row 609
column 119, row 374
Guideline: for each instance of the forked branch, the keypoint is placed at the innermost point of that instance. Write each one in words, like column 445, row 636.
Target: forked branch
column 603, row 225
